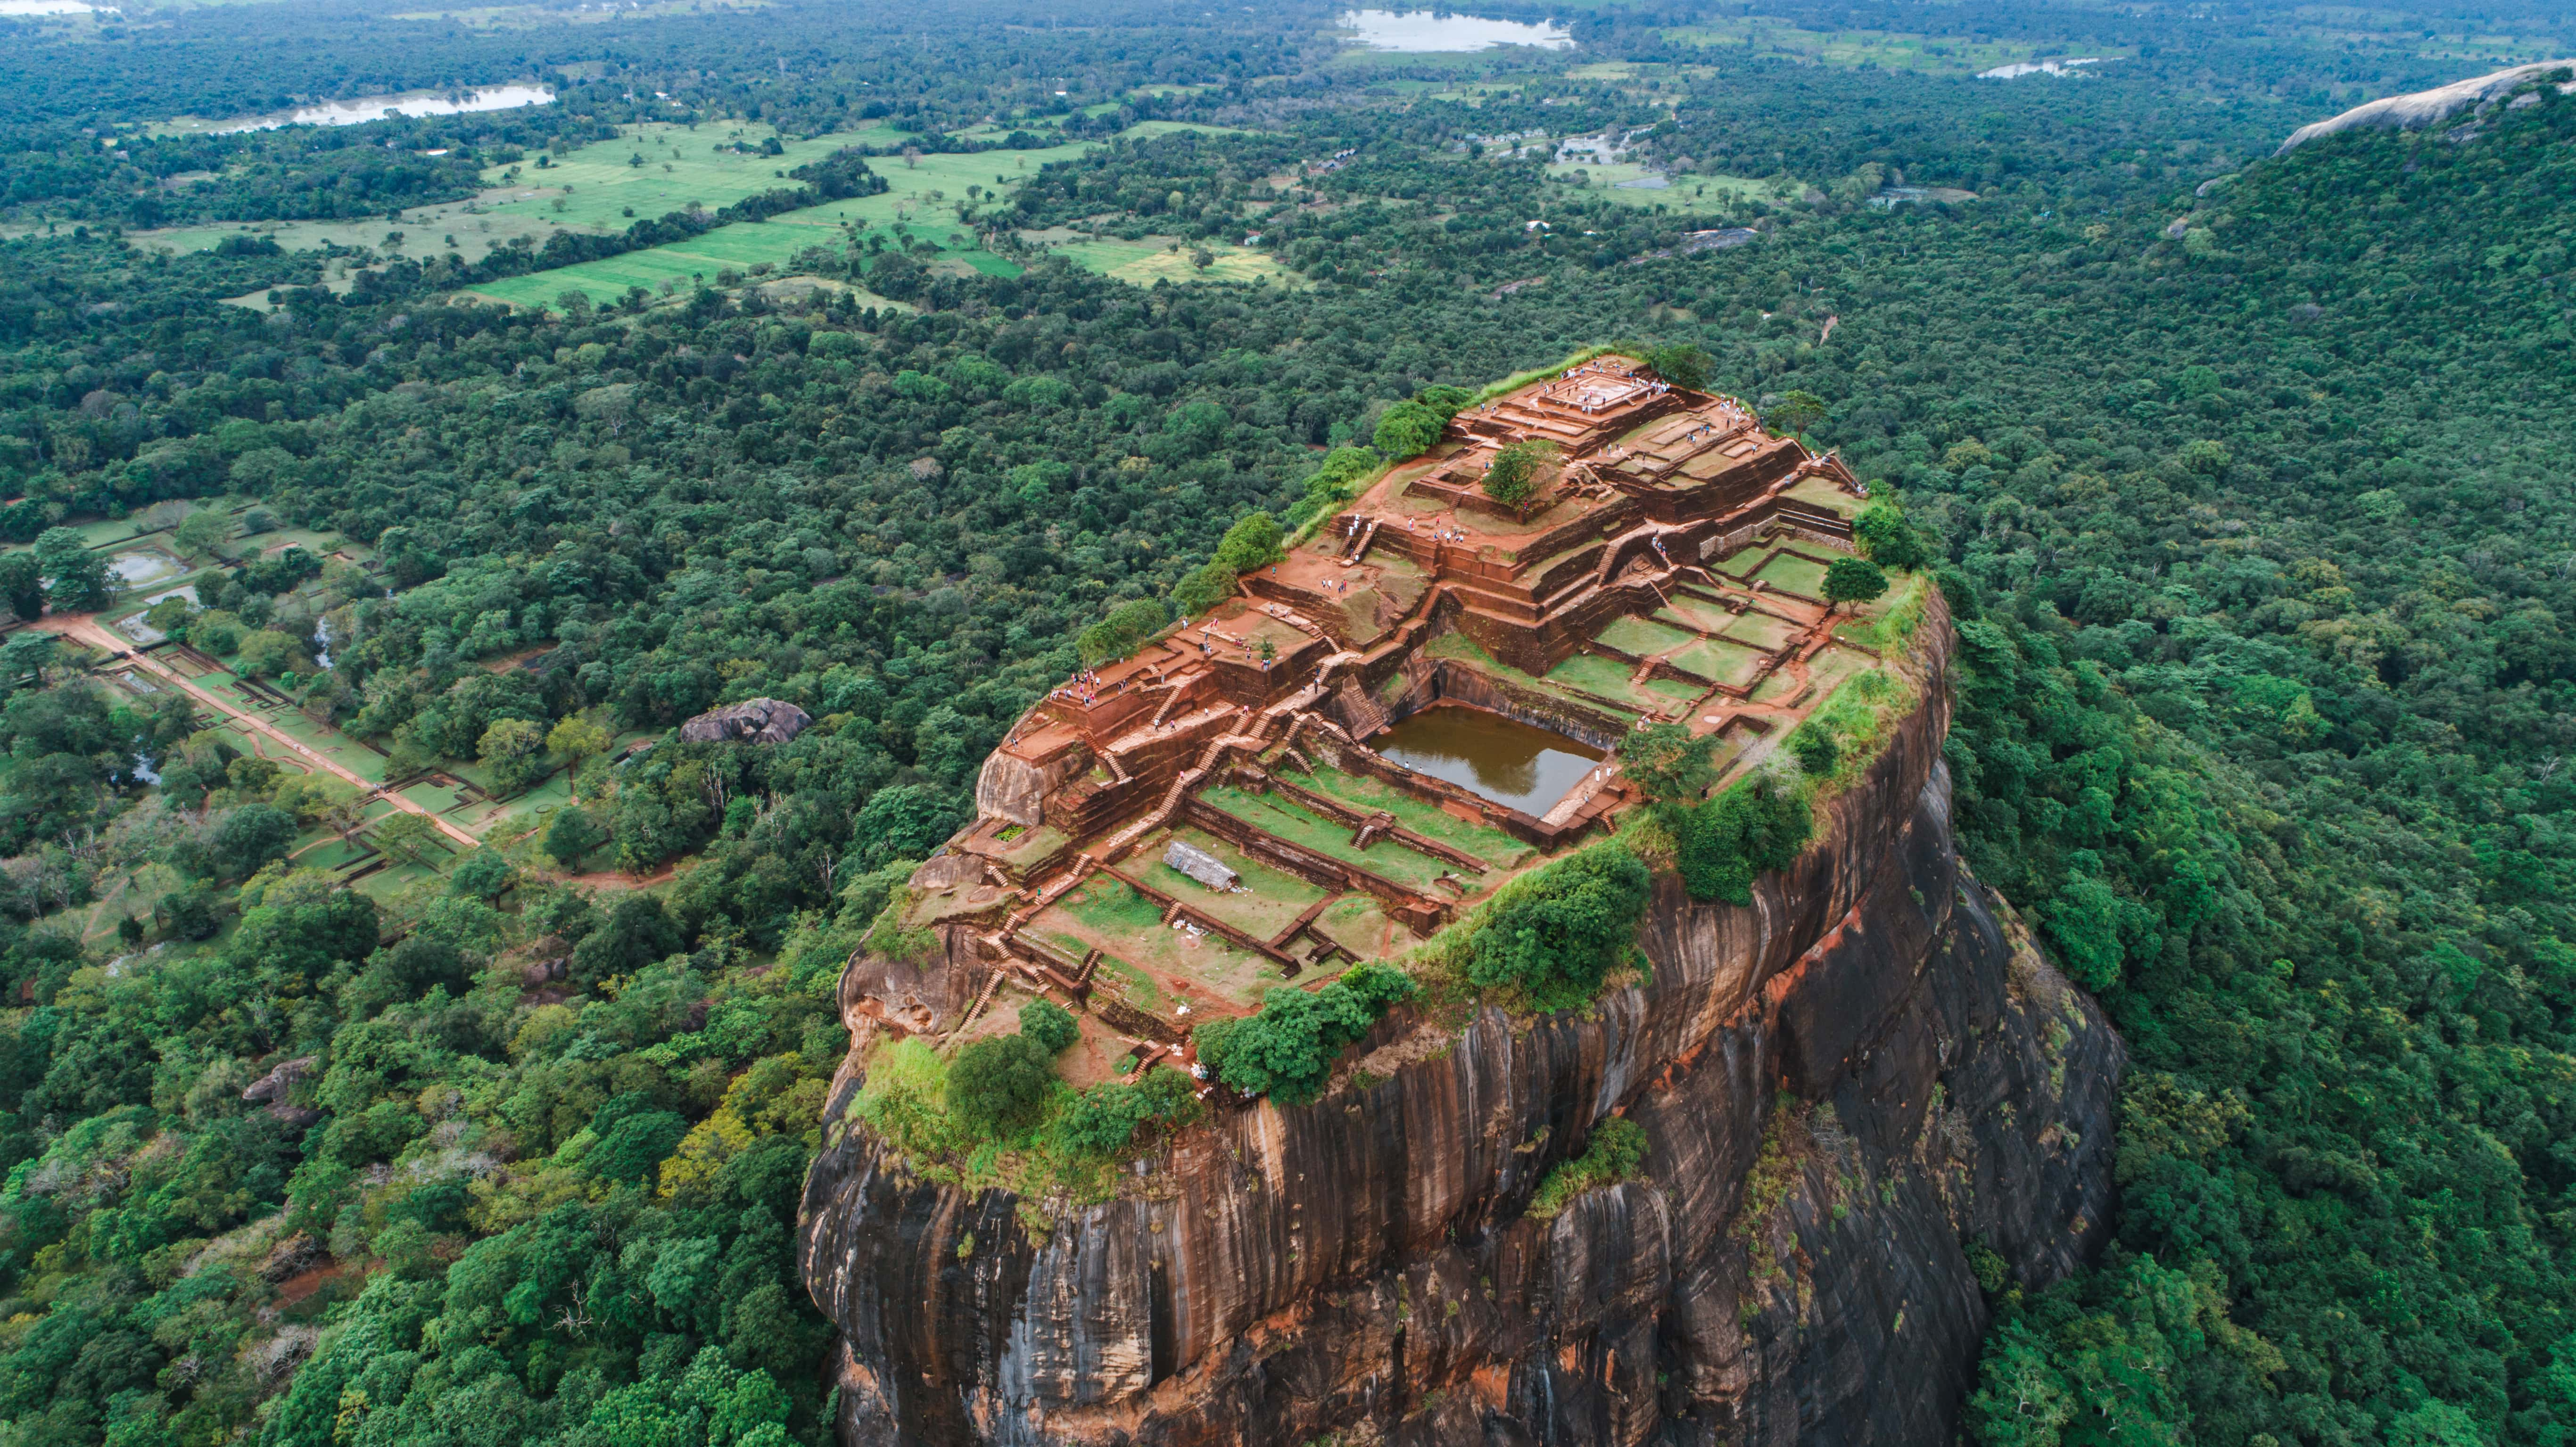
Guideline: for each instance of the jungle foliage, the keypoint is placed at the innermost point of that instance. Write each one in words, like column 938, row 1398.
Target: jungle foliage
column 2256, row 529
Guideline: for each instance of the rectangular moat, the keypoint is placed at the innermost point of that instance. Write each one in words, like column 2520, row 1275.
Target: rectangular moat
column 1409, row 710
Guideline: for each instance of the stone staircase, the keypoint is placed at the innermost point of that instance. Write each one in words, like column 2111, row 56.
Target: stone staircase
column 1366, row 716
column 1359, row 545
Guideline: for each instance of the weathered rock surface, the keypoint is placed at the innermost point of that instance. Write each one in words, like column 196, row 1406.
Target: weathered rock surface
column 752, row 721
column 2427, row 107
column 1365, row 1266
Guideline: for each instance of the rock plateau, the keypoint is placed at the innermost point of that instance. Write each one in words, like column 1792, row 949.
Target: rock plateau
column 1850, row 1090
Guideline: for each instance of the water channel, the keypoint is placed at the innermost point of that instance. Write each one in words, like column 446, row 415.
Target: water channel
column 1512, row 763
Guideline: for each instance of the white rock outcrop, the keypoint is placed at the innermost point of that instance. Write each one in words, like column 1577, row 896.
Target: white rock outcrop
column 2428, row 107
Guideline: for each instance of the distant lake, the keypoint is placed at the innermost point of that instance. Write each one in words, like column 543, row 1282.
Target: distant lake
column 12, row 9
column 1430, row 30
column 373, row 107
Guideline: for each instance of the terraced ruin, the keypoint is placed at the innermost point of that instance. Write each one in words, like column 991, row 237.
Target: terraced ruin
column 1421, row 700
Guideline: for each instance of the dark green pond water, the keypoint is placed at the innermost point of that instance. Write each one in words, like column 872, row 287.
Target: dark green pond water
column 1505, row 760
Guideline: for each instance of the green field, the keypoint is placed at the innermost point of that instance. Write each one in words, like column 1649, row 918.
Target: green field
column 922, row 202
column 1742, row 562
column 1429, row 820
column 603, row 190
column 1701, row 192
column 1828, row 495
column 600, row 191
column 1729, row 663
column 1161, row 258
column 1329, row 838
column 1885, row 49
column 1640, row 638
column 1791, row 573
column 1270, row 900
column 1595, row 674
column 1761, row 630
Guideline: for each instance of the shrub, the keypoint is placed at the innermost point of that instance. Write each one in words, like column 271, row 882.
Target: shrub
column 1287, row 1049
column 1668, row 762
column 1550, row 936
column 1513, row 474
column 266, row 653
column 1888, row 539
column 1760, row 824
column 889, row 937
column 1444, row 399
column 246, row 838
column 1253, row 542
column 1684, row 365
column 1206, row 586
column 1051, row 1025
column 634, row 1144
column 998, row 1085
column 1618, row 1147
column 573, row 834
column 1816, row 748
column 1851, row 580
column 1335, row 482
column 483, row 874
column 1106, row 1118
column 1122, row 632
column 1408, row 430
column 637, row 933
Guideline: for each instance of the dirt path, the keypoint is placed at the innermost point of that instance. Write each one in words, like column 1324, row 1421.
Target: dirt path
column 612, row 879
column 85, row 628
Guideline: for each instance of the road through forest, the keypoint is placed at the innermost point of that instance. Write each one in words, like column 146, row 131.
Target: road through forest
column 86, row 629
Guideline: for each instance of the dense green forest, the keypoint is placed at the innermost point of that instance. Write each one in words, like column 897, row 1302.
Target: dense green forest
column 2245, row 475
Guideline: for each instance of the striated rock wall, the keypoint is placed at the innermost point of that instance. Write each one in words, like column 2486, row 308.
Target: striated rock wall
column 1921, row 1078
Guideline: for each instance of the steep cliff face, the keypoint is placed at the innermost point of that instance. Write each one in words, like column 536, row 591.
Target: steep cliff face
column 1844, row 1087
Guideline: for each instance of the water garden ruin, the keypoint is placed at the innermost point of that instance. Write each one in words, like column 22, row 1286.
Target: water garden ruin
column 1420, row 701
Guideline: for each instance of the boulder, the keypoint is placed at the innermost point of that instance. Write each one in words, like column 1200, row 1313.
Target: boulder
column 274, row 1086
column 753, row 721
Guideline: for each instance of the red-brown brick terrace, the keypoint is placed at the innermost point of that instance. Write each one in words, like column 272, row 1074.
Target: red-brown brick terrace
column 1419, row 702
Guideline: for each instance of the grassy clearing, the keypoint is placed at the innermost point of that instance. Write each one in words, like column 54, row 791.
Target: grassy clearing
column 1617, row 182
column 1269, row 903
column 1829, row 495
column 1885, row 624
column 1641, row 637
column 1744, row 561
column 1760, row 630
column 1827, row 672
column 1325, row 837
column 1693, row 614
column 1884, row 49
column 1793, row 574
column 1429, row 820
column 602, row 189
column 1359, row 925
column 924, row 201
column 1730, row 663
column 1162, row 258
column 1110, row 907
column 1188, row 966
column 1593, row 674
